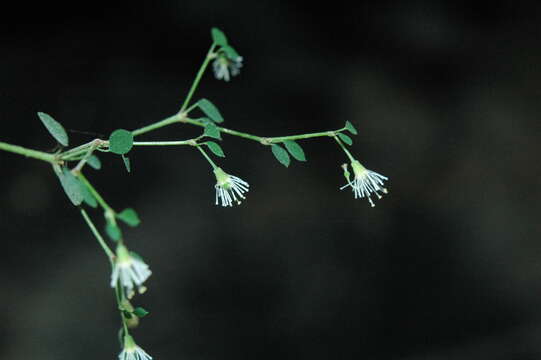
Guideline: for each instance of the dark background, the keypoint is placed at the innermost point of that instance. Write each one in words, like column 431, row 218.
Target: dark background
column 445, row 95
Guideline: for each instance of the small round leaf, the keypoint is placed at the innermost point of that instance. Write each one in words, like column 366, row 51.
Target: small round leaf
column 120, row 141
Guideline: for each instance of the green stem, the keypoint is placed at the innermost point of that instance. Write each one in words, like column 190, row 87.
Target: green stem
column 104, row 246
column 170, row 120
column 214, row 166
column 268, row 140
column 119, row 295
column 82, row 149
column 35, row 154
column 197, row 79
column 95, row 193
column 164, row 143
column 77, row 169
column 351, row 158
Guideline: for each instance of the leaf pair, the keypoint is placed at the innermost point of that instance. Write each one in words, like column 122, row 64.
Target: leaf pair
column 219, row 38
column 346, row 139
column 128, row 216
column 282, row 155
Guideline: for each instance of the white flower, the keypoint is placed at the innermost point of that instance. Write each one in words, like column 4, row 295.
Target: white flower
column 132, row 352
column 365, row 183
column 130, row 270
column 223, row 66
column 228, row 188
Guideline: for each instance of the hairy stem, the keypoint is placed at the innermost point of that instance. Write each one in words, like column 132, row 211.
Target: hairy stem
column 95, row 193
column 164, row 143
column 351, row 158
column 101, row 241
column 198, row 77
column 35, row 154
column 170, row 120
column 214, row 166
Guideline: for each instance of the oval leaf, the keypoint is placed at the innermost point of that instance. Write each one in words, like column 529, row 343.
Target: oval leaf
column 120, row 141
column 88, row 198
column 94, row 162
column 230, row 52
column 210, row 110
column 129, row 216
column 211, row 130
column 349, row 127
column 71, row 186
column 281, row 155
column 54, row 128
column 345, row 138
column 140, row 312
column 295, row 150
column 113, row 231
column 215, row 148
column 218, row 37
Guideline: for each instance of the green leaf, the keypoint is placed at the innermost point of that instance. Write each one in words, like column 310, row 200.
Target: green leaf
column 215, row 148
column 349, row 127
column 211, row 130
column 113, row 231
column 281, row 155
column 230, row 52
column 140, row 312
column 71, row 186
column 120, row 141
column 94, row 162
column 88, row 198
column 127, row 163
column 210, row 110
column 295, row 150
column 345, row 138
column 129, row 216
column 218, row 37
column 54, row 128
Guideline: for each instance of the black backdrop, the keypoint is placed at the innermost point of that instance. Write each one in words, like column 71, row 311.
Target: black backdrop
column 445, row 97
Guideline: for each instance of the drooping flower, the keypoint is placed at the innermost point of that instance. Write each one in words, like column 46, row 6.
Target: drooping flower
column 229, row 188
column 365, row 183
column 132, row 351
column 224, row 66
column 130, row 270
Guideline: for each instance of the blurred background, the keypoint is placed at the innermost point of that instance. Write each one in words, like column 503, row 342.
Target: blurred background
column 445, row 96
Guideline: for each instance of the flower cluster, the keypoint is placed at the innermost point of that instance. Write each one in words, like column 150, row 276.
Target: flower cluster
column 132, row 351
column 228, row 188
column 129, row 270
column 365, row 183
column 223, row 66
